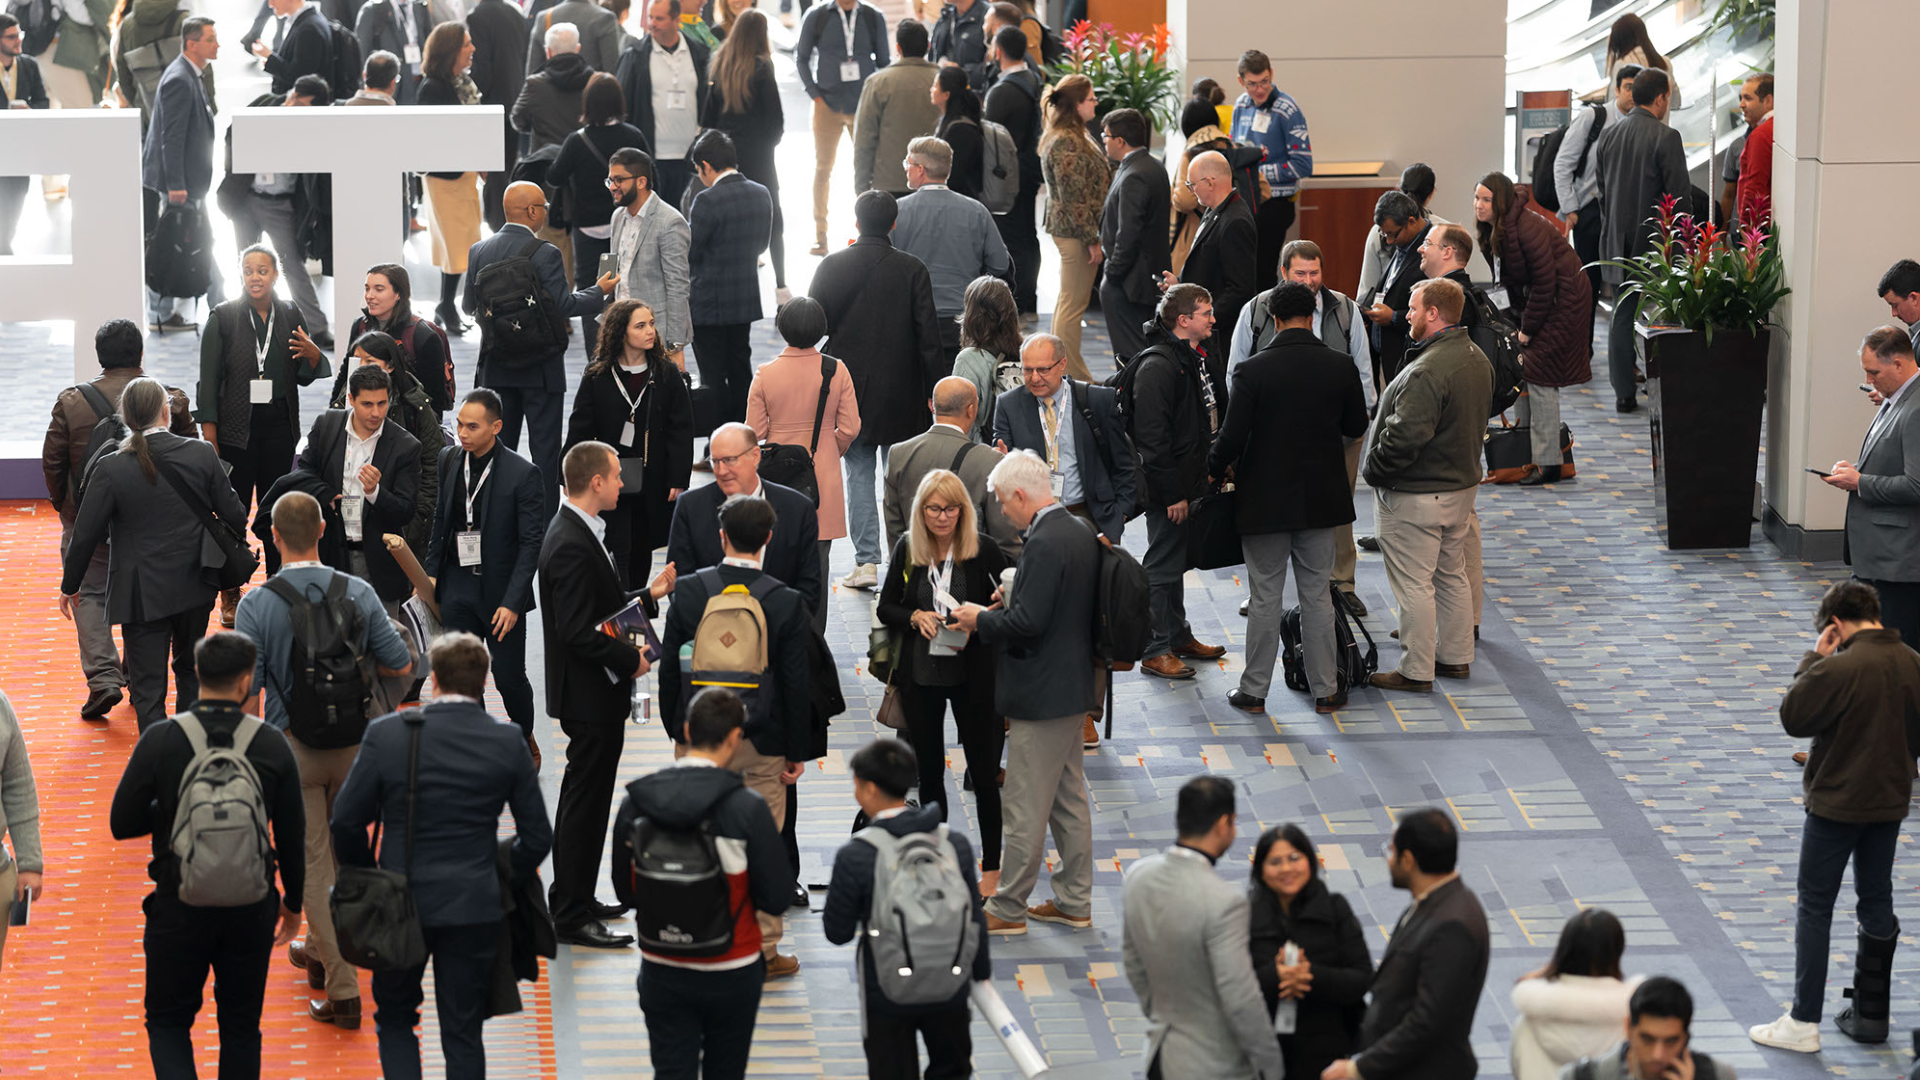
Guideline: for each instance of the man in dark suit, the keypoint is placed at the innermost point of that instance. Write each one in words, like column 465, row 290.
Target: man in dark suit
column 1222, row 258
column 21, row 87
column 589, row 680
column 731, row 220
column 1420, row 1023
column 1133, row 232
column 792, row 555
column 499, row 35
column 377, row 495
column 1049, row 416
column 1639, row 161
column 668, row 115
column 1014, row 103
column 401, row 28
column 531, row 387
column 1883, row 489
column 775, row 751
column 176, row 161
column 471, row 765
column 305, row 47
column 486, row 543
column 1042, row 634
column 1295, row 405
column 1403, row 228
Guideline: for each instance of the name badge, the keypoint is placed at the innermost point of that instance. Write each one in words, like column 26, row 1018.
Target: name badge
column 264, row 179
column 1498, row 295
column 1261, row 122
column 260, row 391
column 626, row 433
column 467, row 546
column 850, row 71
column 1059, row 483
column 352, row 509
column 412, row 55
column 676, row 99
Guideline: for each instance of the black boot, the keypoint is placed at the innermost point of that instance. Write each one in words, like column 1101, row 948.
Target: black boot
column 1549, row 474
column 1872, row 991
column 448, row 313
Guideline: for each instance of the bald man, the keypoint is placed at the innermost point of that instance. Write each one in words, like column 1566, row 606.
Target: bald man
column 526, row 367
column 1223, row 259
column 947, row 445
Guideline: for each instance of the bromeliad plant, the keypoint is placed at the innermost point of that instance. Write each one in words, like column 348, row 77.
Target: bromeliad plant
column 1128, row 71
column 1706, row 279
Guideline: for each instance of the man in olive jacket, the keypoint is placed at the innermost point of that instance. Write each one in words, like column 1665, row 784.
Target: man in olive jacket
column 1423, row 463
column 894, row 110
column 1857, row 694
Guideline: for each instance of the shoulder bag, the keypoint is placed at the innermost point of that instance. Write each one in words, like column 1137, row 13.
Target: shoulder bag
column 239, row 563
column 792, row 466
column 374, row 917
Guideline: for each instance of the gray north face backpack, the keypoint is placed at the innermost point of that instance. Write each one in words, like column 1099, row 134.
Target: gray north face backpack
column 921, row 932
column 220, row 825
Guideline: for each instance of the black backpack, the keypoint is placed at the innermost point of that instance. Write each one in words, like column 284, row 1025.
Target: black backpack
column 518, row 319
column 1544, row 193
column 1052, row 49
column 823, row 693
column 343, row 75
column 1353, row 667
column 1121, row 613
column 109, row 431
column 792, row 466
column 1499, row 339
column 180, row 252
column 682, row 903
column 331, row 694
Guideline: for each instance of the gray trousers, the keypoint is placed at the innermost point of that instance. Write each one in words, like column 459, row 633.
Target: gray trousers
column 1166, row 566
column 1046, row 785
column 1346, row 557
column 1539, row 412
column 1267, row 554
column 1424, row 540
column 275, row 218
column 99, row 657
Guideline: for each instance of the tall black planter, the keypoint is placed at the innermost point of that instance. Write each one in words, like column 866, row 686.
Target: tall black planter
column 1706, row 410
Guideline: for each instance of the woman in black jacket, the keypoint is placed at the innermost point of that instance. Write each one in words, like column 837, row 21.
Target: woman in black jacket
column 635, row 400
column 1289, row 902
column 960, row 126
column 745, row 103
column 581, row 168
column 388, row 296
column 943, row 547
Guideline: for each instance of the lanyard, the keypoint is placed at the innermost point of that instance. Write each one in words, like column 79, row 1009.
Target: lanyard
column 846, row 23
column 473, row 489
column 261, row 344
column 941, row 578
column 403, row 15
column 633, row 403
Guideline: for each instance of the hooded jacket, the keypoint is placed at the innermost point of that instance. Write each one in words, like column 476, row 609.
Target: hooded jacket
column 1564, row 1019
column 1170, row 425
column 548, row 109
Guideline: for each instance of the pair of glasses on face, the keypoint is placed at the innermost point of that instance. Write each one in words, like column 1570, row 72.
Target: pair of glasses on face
column 615, row 183
column 935, row 510
column 735, row 459
column 1038, row 372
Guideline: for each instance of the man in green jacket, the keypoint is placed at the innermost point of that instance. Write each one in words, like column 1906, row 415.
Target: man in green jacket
column 1423, row 463
column 894, row 110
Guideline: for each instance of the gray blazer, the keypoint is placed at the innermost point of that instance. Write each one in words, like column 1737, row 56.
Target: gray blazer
column 1043, row 637
column 1637, row 160
column 658, row 273
column 909, row 462
column 1884, row 515
column 1184, row 941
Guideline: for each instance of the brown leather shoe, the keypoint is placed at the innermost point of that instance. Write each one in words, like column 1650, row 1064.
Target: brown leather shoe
column 1799, row 757
column 819, row 247
column 344, row 1013
column 781, row 966
column 1393, row 680
column 1090, row 733
column 1194, row 650
column 1047, row 912
column 1453, row 671
column 1167, row 666
column 316, row 971
column 1004, row 928
column 229, row 606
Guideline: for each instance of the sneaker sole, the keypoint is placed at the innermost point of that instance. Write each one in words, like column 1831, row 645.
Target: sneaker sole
column 1062, row 920
column 1780, row 1044
column 1015, row 930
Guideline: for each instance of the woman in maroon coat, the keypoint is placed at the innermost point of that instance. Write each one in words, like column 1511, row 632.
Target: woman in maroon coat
column 1552, row 301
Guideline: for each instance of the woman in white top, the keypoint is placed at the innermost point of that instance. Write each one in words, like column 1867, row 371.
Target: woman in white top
column 1629, row 43
column 1576, row 1005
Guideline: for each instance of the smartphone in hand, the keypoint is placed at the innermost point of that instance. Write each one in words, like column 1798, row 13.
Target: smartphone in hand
column 1818, row 473
column 609, row 264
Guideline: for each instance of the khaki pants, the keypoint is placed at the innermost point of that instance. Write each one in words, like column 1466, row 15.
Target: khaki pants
column 322, row 772
column 1476, row 576
column 1344, row 555
column 762, row 774
column 828, row 128
column 1046, row 787
column 1424, row 539
column 1076, row 285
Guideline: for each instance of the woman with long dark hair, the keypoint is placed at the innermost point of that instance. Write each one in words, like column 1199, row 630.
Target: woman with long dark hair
column 744, row 102
column 388, row 299
column 989, row 337
column 635, row 400
column 581, row 168
column 1328, row 981
column 1574, row 1006
column 960, row 127
column 1077, row 173
column 412, row 409
column 1629, row 43
column 453, row 198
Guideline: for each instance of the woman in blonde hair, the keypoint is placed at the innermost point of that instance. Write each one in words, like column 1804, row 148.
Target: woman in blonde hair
column 942, row 561
column 745, row 103
column 1077, row 173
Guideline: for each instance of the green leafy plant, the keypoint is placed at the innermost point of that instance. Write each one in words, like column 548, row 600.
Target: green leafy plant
column 1703, row 278
column 1128, row 71
column 1742, row 17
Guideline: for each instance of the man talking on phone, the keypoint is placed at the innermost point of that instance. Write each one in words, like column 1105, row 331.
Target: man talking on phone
column 1658, row 1044
column 1883, row 489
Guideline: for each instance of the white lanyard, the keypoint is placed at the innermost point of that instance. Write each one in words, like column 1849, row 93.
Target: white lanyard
column 473, row 489
column 941, row 578
column 261, row 346
column 403, row 16
column 846, row 22
column 628, row 431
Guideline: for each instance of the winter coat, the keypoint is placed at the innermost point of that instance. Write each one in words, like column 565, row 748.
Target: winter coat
column 1565, row 1019
column 1552, row 294
column 882, row 325
column 781, row 404
column 1324, row 926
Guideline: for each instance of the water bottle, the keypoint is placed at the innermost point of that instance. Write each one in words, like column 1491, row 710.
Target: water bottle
column 1286, row 1016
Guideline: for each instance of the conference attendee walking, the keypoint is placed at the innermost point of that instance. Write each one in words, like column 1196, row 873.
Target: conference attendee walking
column 990, row 341
column 387, row 294
column 1042, row 637
column 550, row 105
column 323, row 737
column 1325, row 984
column 633, row 399
column 951, row 234
column 1659, row 1038
column 22, row 876
column 881, row 320
column 452, row 198
column 1423, row 463
column 581, row 171
column 946, row 445
column 744, row 102
column 63, row 461
column 470, row 767
column 230, row 920
column 486, row 544
column 21, row 87
column 597, row 28
column 133, row 503
column 1882, row 510
column 883, row 772
column 1553, row 302
column 1272, row 120
column 400, row 28
column 176, row 154
column 1574, row 1005
column 1077, row 174
column 839, row 47
column 1184, row 941
column 731, row 221
column 1295, row 406
column 1639, row 162
column 650, row 241
column 499, row 33
column 699, row 1005
column 1133, row 232
column 1427, row 985
column 960, row 113
column 665, row 77
column 895, row 108
column 792, row 555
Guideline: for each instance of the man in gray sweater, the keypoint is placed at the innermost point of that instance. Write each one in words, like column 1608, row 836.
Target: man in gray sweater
column 1423, row 463
column 19, row 816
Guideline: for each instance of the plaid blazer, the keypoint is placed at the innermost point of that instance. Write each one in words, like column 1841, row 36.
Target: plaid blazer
column 731, row 223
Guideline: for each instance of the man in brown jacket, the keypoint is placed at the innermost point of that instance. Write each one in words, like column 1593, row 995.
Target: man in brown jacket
column 1857, row 695
column 119, row 346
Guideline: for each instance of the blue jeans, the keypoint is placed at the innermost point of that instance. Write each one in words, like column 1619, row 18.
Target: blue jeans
column 1825, row 847
column 1166, row 566
column 863, row 511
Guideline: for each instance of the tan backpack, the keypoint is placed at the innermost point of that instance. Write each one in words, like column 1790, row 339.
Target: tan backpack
column 730, row 644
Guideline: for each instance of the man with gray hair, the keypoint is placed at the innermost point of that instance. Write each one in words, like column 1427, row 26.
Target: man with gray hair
column 548, row 108
column 1042, row 633
column 947, row 445
column 952, row 234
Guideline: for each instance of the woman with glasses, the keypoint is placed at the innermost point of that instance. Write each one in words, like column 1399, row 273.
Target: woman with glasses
column 1327, row 982
column 941, row 561
column 581, row 169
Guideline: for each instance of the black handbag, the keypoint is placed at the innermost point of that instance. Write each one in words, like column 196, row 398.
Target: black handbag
column 792, row 466
column 1509, row 453
column 1213, row 531
column 240, row 563
column 374, row 918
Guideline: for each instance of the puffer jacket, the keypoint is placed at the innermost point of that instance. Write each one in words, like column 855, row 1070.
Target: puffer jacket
column 1565, row 1019
column 1552, row 294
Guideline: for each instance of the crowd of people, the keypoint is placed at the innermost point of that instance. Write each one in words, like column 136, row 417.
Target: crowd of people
column 984, row 472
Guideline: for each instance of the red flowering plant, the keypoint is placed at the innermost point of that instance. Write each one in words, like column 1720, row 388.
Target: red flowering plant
column 1703, row 278
column 1128, row 71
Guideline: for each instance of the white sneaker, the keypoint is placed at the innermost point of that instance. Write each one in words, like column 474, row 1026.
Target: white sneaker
column 864, row 576
column 1787, row 1033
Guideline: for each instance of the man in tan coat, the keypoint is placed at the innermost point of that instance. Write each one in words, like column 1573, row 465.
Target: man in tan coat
column 895, row 109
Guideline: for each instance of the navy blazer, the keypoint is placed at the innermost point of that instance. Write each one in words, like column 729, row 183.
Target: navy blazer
column 397, row 456
column 731, row 223
column 792, row 555
column 589, row 674
column 512, row 525
column 1110, row 494
column 307, row 49
column 471, row 764
column 529, row 372
column 28, row 86
column 178, row 153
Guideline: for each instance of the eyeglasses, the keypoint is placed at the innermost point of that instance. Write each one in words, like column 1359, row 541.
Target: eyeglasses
column 1035, row 372
column 730, row 462
column 614, row 182
column 940, row 511
column 1386, row 848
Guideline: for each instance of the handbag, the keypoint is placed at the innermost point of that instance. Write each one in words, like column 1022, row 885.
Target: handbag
column 374, row 917
column 792, row 466
column 1509, row 453
column 892, row 714
column 1213, row 531
column 238, row 563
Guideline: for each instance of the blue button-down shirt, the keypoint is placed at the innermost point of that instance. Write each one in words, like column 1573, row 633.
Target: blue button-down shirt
column 263, row 617
column 1070, row 489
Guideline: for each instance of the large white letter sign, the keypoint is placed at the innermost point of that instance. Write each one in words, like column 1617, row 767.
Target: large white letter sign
column 367, row 151
column 100, row 150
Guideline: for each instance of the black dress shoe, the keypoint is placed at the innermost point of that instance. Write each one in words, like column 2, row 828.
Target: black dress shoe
column 801, row 899
column 1548, row 474
column 1326, row 705
column 1247, row 702
column 99, row 702
column 1367, row 543
column 594, row 934
column 1626, row 405
column 608, row 911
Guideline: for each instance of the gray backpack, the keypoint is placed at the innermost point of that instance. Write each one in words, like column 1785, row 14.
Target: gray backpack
column 921, row 932
column 999, row 167
column 220, row 824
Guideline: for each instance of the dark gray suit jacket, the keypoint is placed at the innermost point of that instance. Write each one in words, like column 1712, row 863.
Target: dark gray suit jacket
column 1884, row 515
column 1638, row 159
column 1110, row 493
column 1419, row 1025
column 1043, row 637
column 1133, row 227
column 178, row 153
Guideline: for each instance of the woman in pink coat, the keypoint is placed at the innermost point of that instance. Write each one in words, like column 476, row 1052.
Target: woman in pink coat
column 784, row 398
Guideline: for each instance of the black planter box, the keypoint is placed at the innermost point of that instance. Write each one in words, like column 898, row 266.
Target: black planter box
column 1705, row 411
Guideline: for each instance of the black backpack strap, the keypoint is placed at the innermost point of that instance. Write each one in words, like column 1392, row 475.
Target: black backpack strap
column 102, row 408
column 527, row 249
column 820, row 409
column 959, row 456
column 1593, row 136
column 1086, row 413
column 710, row 577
